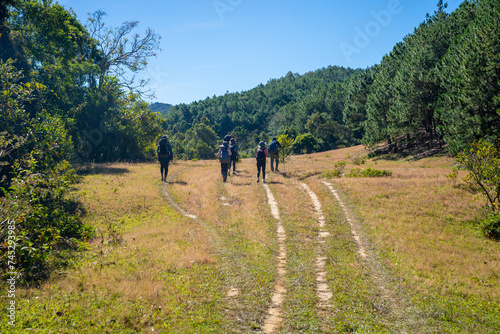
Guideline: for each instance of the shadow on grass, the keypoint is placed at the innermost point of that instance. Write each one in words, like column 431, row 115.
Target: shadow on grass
column 101, row 169
column 182, row 183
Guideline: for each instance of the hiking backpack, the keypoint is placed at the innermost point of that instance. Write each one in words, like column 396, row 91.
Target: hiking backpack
column 163, row 150
column 225, row 157
column 273, row 147
column 261, row 155
column 234, row 151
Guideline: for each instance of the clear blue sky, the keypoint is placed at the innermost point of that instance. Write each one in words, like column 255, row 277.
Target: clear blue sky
column 214, row 46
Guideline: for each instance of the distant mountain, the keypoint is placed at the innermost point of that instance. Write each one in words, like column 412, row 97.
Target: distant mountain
column 162, row 108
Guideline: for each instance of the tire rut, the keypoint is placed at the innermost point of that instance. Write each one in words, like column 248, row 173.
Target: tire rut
column 402, row 316
column 273, row 319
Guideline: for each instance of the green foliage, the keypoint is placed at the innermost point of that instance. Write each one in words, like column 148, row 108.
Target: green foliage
column 306, row 143
column 356, row 160
column 483, row 162
column 338, row 170
column 58, row 104
column 286, row 148
column 470, row 103
column 369, row 172
column 199, row 142
column 35, row 180
column 491, row 225
column 282, row 106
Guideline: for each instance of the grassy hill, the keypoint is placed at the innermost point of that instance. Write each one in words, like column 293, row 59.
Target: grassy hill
column 195, row 255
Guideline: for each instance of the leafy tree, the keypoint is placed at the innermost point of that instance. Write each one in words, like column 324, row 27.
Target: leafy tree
column 35, row 178
column 199, row 142
column 286, row 143
column 306, row 143
column 482, row 160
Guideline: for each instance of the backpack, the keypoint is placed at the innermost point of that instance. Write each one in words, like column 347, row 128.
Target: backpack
column 225, row 157
column 273, row 147
column 261, row 155
column 234, row 151
column 163, row 150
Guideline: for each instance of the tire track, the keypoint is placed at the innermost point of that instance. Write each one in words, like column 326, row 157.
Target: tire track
column 323, row 291
column 273, row 319
column 404, row 317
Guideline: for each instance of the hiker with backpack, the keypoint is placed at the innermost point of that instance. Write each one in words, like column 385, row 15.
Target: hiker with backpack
column 165, row 154
column 261, row 161
column 274, row 149
column 224, row 156
column 234, row 155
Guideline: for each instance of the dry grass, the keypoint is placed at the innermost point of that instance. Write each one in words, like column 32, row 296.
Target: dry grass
column 150, row 267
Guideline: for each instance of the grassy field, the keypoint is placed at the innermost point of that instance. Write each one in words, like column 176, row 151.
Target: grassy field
column 196, row 255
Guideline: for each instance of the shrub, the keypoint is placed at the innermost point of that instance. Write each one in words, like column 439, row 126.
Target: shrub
column 483, row 162
column 369, row 172
column 491, row 226
column 338, row 170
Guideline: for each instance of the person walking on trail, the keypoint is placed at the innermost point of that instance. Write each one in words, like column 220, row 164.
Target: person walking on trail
column 234, row 155
column 274, row 152
column 224, row 156
column 261, row 161
column 165, row 154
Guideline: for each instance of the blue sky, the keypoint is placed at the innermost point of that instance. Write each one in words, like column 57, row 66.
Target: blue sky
column 211, row 47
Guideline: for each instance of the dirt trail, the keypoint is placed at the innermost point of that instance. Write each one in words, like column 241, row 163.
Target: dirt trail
column 402, row 316
column 273, row 318
column 322, row 289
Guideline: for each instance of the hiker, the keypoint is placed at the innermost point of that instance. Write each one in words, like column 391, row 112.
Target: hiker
column 261, row 161
column 234, row 155
column 274, row 149
column 224, row 156
column 165, row 154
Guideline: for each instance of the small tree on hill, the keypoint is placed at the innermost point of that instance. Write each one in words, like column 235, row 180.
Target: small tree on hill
column 483, row 162
column 286, row 144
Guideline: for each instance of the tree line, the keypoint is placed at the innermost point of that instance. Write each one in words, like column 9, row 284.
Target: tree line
column 65, row 100
column 440, row 82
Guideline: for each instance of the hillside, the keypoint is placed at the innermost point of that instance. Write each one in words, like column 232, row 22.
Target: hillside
column 281, row 105
column 159, row 107
column 439, row 84
column 301, row 253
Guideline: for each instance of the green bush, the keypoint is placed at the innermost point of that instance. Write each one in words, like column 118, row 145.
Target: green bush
column 338, row 170
column 369, row 172
column 491, row 226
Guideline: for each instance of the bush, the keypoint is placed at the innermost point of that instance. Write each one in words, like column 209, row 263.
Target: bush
column 42, row 221
column 491, row 226
column 369, row 172
column 482, row 160
column 338, row 170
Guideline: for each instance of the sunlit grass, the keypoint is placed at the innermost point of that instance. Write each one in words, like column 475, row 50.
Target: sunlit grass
column 150, row 267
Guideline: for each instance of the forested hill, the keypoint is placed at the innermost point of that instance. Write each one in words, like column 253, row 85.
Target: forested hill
column 283, row 105
column 439, row 85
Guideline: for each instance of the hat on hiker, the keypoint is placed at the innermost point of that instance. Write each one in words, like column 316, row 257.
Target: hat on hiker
column 262, row 144
column 274, row 138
